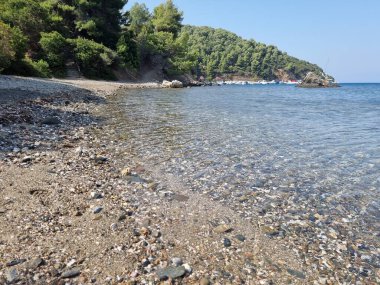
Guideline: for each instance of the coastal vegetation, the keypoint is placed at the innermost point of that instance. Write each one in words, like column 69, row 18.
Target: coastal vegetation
column 40, row 38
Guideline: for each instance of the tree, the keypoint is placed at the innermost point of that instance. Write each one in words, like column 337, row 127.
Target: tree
column 99, row 20
column 139, row 17
column 7, row 53
column 28, row 15
column 54, row 47
column 167, row 18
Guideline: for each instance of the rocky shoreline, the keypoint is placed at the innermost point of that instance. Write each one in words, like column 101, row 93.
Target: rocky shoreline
column 76, row 207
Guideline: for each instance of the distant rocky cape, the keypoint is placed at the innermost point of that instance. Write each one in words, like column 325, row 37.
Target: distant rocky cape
column 313, row 80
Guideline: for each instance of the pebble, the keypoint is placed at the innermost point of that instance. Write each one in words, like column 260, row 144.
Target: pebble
column 222, row 229
column 12, row 275
column 240, row 237
column 15, row 262
column 97, row 210
column 26, row 159
column 95, row 195
column 171, row 272
column 71, row 273
column 296, row 273
column 188, row 268
column 156, row 233
column 177, row 261
column 227, row 242
column 35, row 263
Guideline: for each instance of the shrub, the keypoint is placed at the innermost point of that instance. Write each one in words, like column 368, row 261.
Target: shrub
column 29, row 67
column 94, row 59
column 12, row 45
column 54, row 47
column 7, row 53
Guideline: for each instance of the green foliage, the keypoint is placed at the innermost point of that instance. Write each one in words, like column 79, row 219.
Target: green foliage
column 221, row 53
column 139, row 18
column 99, row 38
column 54, row 49
column 12, row 45
column 7, row 52
column 28, row 15
column 99, row 20
column 127, row 50
column 38, row 68
column 29, row 67
column 167, row 18
column 94, row 59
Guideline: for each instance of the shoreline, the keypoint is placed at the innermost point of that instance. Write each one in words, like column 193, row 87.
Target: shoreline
column 70, row 205
column 77, row 207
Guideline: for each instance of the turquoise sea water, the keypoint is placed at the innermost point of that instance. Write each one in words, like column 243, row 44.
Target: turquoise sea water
column 317, row 148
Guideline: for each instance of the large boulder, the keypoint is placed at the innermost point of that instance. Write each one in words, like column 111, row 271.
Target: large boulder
column 172, row 84
column 313, row 80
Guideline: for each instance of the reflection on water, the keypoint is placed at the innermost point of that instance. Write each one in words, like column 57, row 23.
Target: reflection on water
column 320, row 148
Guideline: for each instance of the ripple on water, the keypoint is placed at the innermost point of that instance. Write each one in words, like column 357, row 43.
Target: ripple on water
column 320, row 148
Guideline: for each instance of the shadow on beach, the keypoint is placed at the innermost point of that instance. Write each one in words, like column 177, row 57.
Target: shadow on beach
column 29, row 115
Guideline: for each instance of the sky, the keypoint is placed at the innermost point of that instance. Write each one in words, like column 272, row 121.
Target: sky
column 341, row 36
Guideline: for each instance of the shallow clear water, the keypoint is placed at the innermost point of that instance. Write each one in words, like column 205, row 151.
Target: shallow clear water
column 320, row 147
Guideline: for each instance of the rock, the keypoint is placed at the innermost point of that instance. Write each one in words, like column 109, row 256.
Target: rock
column 26, row 159
column 227, row 242
column 166, row 84
column 177, row 84
column 156, row 233
column 122, row 217
column 313, row 80
column 173, row 84
column 222, row 229
column 15, row 262
column 12, row 276
column 97, row 210
column 177, row 261
column 204, row 281
column 240, row 237
column 296, row 273
column 188, row 268
column 51, row 121
column 171, row 272
column 101, row 159
column 35, row 263
column 126, row 171
column 71, row 273
column 95, row 195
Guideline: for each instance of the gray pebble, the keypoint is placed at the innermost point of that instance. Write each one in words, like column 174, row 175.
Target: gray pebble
column 171, row 272
column 71, row 273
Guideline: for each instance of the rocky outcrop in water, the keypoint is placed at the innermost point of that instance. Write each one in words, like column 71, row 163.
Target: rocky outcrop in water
column 172, row 84
column 313, row 80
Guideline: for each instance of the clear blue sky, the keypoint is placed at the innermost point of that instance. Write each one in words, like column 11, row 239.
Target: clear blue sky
column 341, row 36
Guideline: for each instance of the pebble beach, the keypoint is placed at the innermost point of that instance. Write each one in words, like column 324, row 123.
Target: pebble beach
column 79, row 207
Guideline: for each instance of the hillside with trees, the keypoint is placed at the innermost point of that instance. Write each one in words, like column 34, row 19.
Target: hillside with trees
column 43, row 37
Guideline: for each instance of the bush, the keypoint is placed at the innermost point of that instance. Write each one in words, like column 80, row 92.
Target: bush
column 12, row 45
column 94, row 59
column 29, row 67
column 7, row 53
column 54, row 50
column 127, row 51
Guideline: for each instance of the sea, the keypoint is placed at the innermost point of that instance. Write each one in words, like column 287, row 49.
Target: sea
column 316, row 151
